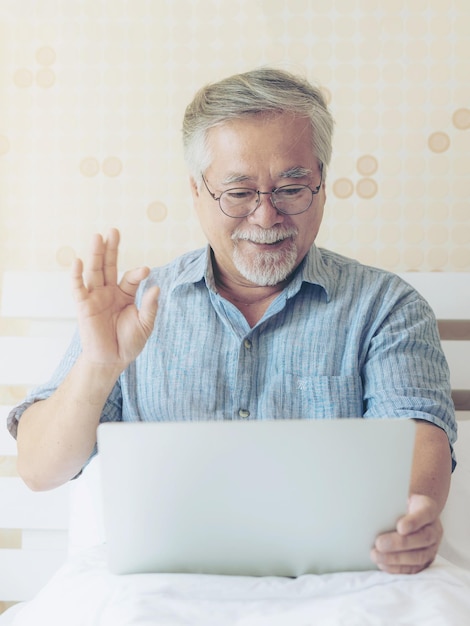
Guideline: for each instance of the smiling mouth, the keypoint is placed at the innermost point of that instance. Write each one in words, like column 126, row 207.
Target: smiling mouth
column 264, row 241
column 265, row 244
column 269, row 238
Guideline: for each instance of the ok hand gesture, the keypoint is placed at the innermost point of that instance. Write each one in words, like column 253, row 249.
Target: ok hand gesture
column 112, row 330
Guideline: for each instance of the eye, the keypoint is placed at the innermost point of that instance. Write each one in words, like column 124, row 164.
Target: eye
column 290, row 191
column 239, row 194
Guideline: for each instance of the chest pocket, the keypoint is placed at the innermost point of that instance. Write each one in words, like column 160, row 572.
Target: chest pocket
column 318, row 397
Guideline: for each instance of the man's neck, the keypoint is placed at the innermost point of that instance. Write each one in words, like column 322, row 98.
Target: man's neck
column 252, row 300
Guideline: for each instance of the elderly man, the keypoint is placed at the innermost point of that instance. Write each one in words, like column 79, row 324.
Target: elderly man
column 260, row 324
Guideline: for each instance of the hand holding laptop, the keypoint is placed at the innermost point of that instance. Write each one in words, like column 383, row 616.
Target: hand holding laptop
column 414, row 543
column 416, row 540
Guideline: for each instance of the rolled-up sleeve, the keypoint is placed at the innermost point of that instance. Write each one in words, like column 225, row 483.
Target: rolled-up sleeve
column 406, row 372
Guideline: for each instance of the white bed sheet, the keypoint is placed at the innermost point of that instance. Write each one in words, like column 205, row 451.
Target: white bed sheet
column 84, row 593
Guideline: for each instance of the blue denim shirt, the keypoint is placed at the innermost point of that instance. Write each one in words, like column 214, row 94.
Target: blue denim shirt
column 342, row 340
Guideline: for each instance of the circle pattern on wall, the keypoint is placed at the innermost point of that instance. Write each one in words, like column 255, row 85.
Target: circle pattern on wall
column 93, row 94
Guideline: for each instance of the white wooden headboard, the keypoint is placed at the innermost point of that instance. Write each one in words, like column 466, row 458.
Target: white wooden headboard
column 33, row 526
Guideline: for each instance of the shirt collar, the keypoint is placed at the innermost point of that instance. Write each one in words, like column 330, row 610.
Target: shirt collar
column 195, row 271
column 313, row 270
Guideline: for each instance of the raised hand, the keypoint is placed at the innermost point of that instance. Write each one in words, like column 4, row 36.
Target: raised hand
column 112, row 330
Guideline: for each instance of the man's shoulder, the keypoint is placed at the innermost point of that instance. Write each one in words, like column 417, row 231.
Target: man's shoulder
column 339, row 262
column 189, row 266
column 344, row 270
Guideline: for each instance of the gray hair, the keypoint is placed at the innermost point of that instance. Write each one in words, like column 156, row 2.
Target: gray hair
column 264, row 90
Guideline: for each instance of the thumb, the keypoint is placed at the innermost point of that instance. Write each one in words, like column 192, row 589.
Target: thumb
column 422, row 510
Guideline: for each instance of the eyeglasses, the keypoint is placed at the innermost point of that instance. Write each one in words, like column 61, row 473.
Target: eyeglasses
column 288, row 199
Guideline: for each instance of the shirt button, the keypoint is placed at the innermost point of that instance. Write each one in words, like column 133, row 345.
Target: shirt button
column 244, row 413
column 247, row 343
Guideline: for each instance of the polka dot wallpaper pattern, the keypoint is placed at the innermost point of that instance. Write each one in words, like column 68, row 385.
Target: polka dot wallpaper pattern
column 92, row 94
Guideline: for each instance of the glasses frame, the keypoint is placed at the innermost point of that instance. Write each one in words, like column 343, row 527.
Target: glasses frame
column 271, row 193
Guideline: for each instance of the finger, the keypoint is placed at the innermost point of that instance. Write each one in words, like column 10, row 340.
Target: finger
column 404, row 562
column 404, row 568
column 79, row 290
column 132, row 279
column 94, row 277
column 110, row 257
column 429, row 535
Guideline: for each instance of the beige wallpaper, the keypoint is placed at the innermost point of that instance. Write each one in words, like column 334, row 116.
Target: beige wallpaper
column 92, row 94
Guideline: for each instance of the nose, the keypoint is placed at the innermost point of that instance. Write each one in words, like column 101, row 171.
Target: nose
column 266, row 215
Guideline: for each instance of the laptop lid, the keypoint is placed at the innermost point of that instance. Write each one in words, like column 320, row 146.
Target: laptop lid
column 274, row 497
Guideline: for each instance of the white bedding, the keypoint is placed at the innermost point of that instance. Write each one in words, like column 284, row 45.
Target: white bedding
column 83, row 593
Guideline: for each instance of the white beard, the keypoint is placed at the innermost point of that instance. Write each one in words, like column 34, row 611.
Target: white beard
column 266, row 268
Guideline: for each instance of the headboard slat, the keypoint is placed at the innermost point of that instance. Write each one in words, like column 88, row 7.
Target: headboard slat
column 454, row 330
column 461, row 398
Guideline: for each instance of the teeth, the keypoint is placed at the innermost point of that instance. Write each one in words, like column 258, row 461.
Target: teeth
column 264, row 238
column 265, row 241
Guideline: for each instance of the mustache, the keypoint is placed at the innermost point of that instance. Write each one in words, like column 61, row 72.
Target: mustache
column 266, row 236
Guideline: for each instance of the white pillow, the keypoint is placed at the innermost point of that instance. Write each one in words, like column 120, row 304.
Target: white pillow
column 455, row 545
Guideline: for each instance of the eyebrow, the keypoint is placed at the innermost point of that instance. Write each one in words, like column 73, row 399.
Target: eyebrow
column 296, row 172
column 292, row 172
column 235, row 178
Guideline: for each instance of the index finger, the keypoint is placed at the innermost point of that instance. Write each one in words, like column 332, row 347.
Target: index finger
column 94, row 276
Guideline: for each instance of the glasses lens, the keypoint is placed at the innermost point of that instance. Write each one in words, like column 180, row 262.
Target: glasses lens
column 238, row 202
column 292, row 198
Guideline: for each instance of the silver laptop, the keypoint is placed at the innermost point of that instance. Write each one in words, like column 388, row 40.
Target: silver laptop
column 275, row 497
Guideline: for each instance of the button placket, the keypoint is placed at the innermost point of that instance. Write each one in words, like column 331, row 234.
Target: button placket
column 245, row 377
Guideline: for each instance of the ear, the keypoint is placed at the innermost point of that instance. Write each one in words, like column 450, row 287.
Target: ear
column 194, row 188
